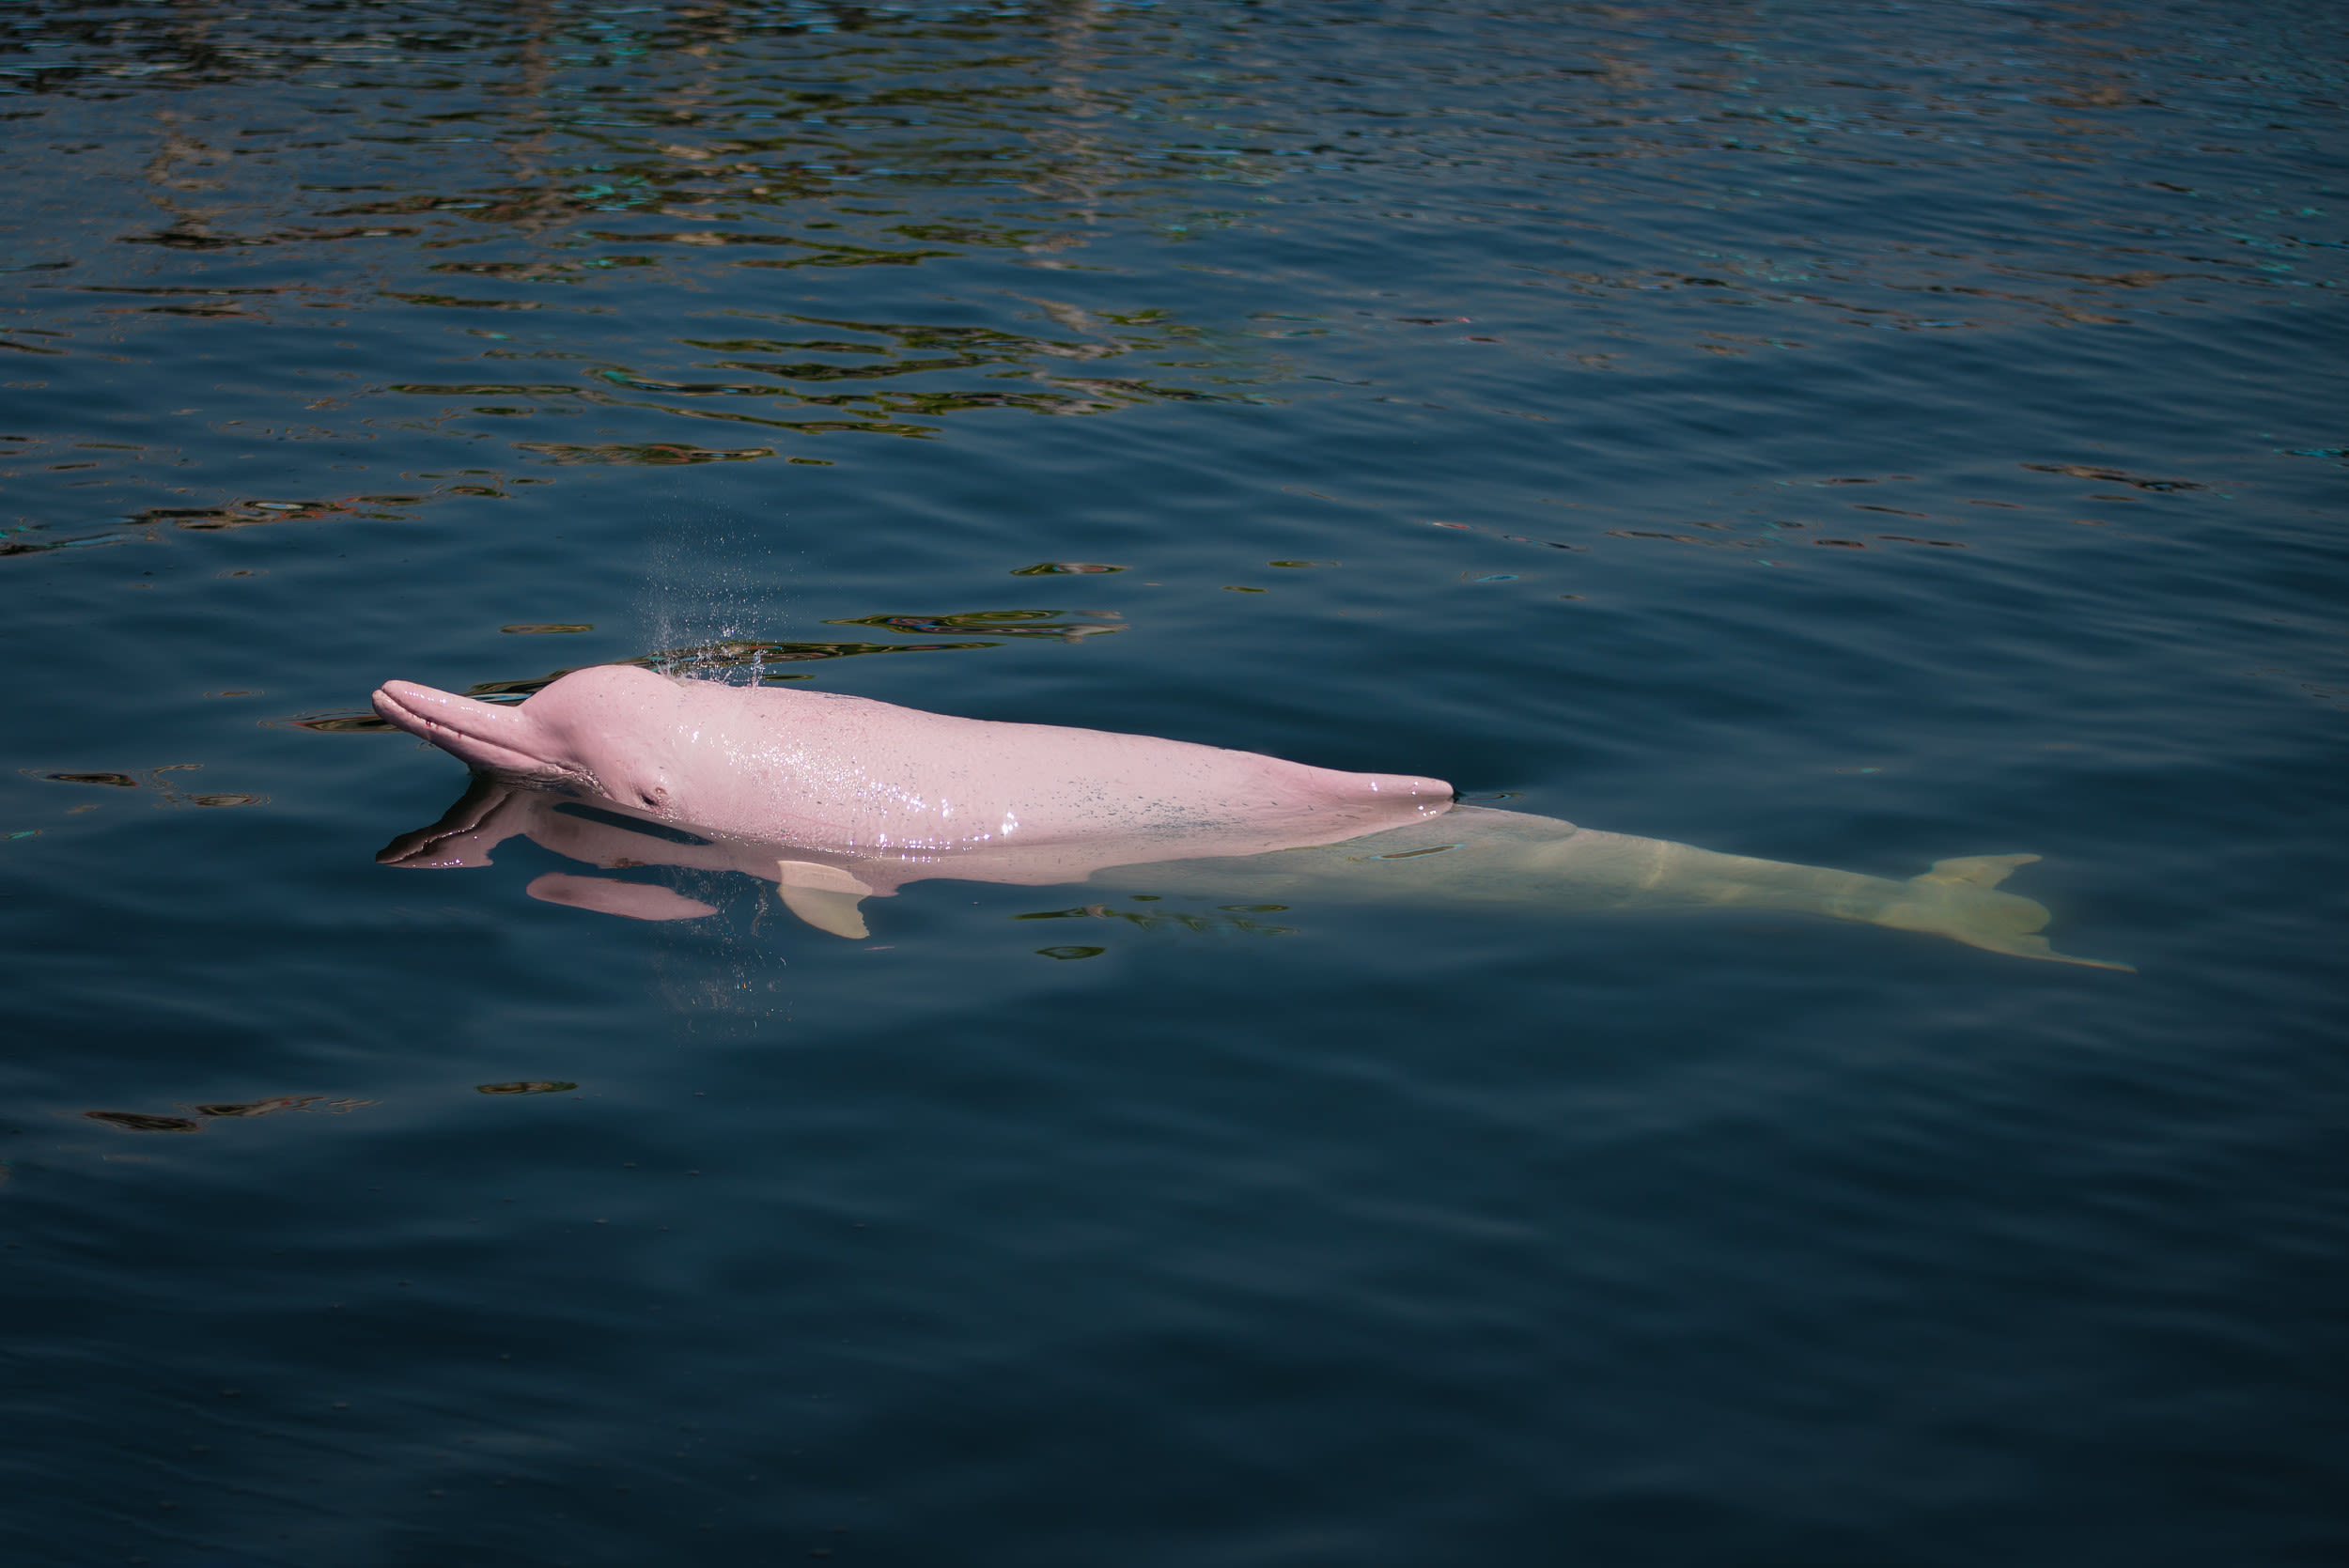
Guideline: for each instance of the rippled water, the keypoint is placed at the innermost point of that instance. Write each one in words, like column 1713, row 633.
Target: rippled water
column 1845, row 435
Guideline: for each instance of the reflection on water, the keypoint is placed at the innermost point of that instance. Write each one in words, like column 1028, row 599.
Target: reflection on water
column 166, row 789
column 139, row 1121
column 1059, row 626
column 1232, row 919
column 1065, row 569
column 1469, row 855
column 1836, row 435
column 558, row 152
column 119, row 781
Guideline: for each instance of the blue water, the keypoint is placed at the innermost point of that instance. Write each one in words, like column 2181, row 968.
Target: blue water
column 1846, row 434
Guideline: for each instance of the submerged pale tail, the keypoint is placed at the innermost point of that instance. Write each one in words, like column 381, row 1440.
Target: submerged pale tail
column 1955, row 899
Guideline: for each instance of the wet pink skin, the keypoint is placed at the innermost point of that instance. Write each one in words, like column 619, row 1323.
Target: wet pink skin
column 995, row 802
column 835, row 799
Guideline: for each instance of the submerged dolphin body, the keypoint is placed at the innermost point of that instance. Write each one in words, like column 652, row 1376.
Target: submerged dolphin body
column 837, row 800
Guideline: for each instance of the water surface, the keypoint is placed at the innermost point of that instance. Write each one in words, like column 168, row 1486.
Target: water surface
column 1849, row 435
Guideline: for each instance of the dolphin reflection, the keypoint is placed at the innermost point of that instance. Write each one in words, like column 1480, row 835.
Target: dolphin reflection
column 1465, row 854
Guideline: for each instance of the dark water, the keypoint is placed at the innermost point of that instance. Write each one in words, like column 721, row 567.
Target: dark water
column 1851, row 435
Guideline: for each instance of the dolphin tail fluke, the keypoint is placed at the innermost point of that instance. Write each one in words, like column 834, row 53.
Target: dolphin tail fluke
column 1955, row 899
column 1974, row 871
column 825, row 896
column 2037, row 947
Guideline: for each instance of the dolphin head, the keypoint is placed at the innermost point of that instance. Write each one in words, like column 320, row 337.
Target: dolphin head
column 611, row 728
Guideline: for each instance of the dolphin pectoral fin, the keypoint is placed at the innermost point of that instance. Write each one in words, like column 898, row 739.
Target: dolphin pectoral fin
column 610, row 897
column 825, row 896
column 835, row 913
column 1974, row 871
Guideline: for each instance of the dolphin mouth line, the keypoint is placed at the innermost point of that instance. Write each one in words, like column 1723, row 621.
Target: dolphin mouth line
column 482, row 747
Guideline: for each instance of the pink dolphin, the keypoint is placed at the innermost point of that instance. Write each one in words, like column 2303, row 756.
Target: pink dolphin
column 838, row 799
column 1034, row 804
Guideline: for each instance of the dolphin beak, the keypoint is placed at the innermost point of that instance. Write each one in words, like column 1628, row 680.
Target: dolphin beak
column 489, row 736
